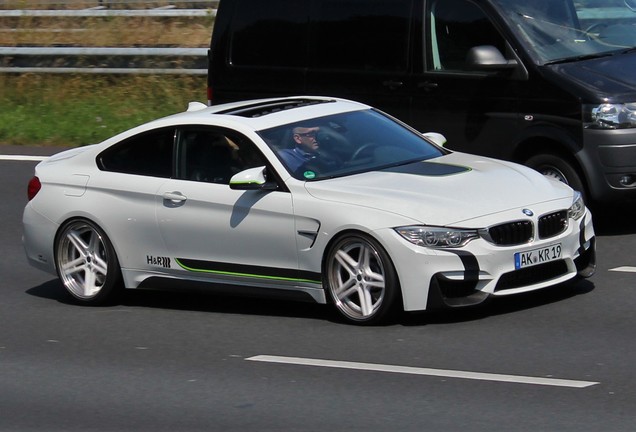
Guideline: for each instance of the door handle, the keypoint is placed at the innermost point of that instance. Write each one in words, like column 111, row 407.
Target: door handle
column 427, row 85
column 175, row 197
column 391, row 84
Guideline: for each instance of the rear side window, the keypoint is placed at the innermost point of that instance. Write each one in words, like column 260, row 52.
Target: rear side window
column 148, row 154
column 270, row 33
column 362, row 34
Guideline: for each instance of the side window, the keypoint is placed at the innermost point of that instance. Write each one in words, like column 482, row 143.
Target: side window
column 454, row 27
column 362, row 34
column 149, row 153
column 214, row 155
column 270, row 33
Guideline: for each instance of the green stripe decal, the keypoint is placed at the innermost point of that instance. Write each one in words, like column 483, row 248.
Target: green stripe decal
column 225, row 269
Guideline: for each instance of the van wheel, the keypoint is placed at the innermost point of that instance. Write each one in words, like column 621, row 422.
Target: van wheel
column 557, row 168
column 361, row 281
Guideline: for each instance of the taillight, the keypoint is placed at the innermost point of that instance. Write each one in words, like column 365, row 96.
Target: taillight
column 209, row 96
column 33, row 188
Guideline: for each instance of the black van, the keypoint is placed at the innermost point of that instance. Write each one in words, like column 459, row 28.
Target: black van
column 548, row 83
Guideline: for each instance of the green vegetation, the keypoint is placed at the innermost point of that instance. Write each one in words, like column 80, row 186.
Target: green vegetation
column 75, row 110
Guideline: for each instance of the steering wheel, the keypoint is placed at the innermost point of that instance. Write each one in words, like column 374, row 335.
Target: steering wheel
column 364, row 147
column 595, row 29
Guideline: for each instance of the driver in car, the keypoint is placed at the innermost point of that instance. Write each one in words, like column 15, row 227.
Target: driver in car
column 305, row 148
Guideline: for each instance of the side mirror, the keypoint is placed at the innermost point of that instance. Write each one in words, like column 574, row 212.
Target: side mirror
column 437, row 138
column 252, row 179
column 488, row 57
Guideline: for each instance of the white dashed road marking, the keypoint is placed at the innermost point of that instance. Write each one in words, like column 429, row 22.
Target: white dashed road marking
column 516, row 379
column 22, row 158
column 625, row 269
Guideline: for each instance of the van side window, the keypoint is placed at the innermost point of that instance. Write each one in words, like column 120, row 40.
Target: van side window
column 370, row 35
column 262, row 26
column 454, row 27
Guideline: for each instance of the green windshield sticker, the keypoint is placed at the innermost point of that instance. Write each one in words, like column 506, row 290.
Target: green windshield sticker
column 309, row 175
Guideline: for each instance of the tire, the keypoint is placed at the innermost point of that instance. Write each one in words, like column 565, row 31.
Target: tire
column 361, row 281
column 86, row 263
column 558, row 168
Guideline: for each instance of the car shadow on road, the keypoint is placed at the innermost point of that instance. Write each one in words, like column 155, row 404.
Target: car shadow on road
column 195, row 301
column 198, row 301
column 614, row 220
column 501, row 305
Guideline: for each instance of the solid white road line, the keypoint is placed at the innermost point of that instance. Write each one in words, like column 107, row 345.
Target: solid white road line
column 423, row 371
column 626, row 269
column 22, row 158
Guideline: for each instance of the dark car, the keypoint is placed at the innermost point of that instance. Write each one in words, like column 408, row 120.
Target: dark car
column 548, row 83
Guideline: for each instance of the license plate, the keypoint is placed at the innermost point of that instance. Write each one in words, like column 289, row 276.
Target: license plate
column 537, row 256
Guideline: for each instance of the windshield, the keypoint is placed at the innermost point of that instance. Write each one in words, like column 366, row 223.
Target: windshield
column 344, row 144
column 564, row 30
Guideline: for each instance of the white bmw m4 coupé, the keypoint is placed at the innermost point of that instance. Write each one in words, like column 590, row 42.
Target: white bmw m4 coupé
column 308, row 198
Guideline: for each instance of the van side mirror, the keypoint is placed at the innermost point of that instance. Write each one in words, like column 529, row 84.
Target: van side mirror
column 252, row 179
column 488, row 57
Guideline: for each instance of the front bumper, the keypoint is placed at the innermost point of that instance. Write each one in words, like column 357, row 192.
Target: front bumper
column 444, row 292
column 609, row 160
column 434, row 278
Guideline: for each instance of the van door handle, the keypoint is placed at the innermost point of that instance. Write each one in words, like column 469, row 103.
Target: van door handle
column 427, row 85
column 391, row 84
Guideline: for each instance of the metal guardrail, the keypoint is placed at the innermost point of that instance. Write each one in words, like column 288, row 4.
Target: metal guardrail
column 116, row 4
column 82, row 13
column 102, row 60
column 187, row 61
column 99, row 51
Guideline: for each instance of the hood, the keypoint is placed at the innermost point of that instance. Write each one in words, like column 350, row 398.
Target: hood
column 600, row 78
column 444, row 191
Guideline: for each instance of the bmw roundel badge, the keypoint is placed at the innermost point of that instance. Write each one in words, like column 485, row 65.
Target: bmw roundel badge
column 527, row 212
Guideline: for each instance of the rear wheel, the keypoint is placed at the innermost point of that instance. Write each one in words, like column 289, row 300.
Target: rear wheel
column 86, row 262
column 361, row 281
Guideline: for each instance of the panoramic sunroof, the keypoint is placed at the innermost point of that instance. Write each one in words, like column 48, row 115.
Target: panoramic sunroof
column 270, row 107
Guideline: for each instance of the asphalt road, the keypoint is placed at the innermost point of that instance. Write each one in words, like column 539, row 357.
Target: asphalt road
column 558, row 360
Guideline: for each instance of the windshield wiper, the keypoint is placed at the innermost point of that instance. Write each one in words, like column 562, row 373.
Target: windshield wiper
column 580, row 58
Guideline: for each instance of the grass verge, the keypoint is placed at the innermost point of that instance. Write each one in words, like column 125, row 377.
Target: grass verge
column 75, row 110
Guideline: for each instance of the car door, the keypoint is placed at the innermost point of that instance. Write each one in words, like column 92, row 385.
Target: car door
column 476, row 109
column 218, row 233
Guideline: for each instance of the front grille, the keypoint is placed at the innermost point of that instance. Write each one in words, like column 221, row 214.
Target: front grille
column 531, row 275
column 512, row 233
column 553, row 224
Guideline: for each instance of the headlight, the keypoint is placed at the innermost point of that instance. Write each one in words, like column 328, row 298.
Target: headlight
column 437, row 237
column 611, row 116
column 577, row 209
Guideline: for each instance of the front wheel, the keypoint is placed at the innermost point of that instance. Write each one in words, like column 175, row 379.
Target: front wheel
column 86, row 262
column 361, row 281
column 557, row 168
